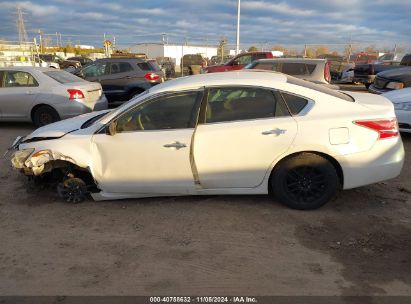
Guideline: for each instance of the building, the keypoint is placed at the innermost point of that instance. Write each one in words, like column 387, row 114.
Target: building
column 174, row 51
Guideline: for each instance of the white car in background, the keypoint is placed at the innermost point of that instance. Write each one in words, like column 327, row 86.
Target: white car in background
column 45, row 95
column 244, row 132
column 402, row 105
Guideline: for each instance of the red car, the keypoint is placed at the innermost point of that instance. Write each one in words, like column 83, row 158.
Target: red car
column 238, row 62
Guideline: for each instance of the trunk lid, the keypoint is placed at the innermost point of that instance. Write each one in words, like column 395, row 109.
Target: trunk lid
column 92, row 92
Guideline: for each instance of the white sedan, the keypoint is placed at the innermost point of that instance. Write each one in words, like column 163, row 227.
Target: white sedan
column 402, row 105
column 243, row 132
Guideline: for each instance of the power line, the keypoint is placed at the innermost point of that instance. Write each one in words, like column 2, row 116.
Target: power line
column 21, row 27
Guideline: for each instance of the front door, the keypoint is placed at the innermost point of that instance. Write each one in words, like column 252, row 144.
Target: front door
column 18, row 90
column 150, row 153
column 244, row 130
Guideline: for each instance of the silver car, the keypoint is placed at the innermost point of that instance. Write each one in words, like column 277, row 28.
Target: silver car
column 314, row 70
column 45, row 95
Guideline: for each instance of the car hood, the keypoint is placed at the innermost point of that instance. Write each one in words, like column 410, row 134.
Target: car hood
column 399, row 96
column 396, row 73
column 60, row 128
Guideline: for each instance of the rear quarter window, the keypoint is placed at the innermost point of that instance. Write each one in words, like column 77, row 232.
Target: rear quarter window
column 295, row 103
column 63, row 77
column 145, row 66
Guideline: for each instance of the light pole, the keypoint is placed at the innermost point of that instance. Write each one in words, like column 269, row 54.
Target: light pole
column 237, row 47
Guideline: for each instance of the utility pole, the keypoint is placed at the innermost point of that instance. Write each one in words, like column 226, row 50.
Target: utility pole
column 41, row 41
column 21, row 27
column 237, row 45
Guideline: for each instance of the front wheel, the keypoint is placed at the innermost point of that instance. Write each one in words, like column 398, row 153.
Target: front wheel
column 306, row 181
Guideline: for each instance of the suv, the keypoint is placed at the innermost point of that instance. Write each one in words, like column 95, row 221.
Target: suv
column 314, row 70
column 192, row 64
column 238, row 62
column 122, row 78
column 393, row 79
column 64, row 64
column 82, row 59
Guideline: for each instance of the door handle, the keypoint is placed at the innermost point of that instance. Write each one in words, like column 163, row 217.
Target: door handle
column 276, row 131
column 176, row 145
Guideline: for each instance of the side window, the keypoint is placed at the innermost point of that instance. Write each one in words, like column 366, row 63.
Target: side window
column 18, row 79
column 294, row 103
column 270, row 66
column 177, row 111
column 95, row 69
column 230, row 104
column 246, row 59
column 1, row 79
column 120, row 67
column 293, row 68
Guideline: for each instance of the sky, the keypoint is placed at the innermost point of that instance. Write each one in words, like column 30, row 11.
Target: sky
column 382, row 23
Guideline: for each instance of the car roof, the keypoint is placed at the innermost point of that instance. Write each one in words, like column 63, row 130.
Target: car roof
column 296, row 60
column 246, row 78
column 27, row 69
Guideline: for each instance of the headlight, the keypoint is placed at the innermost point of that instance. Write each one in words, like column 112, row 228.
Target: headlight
column 395, row 85
column 19, row 157
column 403, row 106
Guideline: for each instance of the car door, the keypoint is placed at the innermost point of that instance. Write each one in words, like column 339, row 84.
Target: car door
column 150, row 152
column 18, row 91
column 243, row 131
column 118, row 77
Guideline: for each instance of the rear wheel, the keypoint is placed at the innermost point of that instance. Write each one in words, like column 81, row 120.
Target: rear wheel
column 44, row 115
column 306, row 181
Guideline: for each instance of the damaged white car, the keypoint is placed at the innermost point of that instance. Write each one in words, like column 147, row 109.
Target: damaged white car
column 242, row 132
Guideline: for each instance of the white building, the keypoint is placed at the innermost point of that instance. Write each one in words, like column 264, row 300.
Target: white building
column 174, row 51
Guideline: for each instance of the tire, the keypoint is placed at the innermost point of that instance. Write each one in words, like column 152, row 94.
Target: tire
column 44, row 115
column 306, row 181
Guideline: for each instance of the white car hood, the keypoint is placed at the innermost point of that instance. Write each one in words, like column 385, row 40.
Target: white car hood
column 60, row 128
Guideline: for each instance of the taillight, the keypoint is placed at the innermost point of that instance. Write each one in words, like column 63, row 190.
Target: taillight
column 386, row 128
column 75, row 94
column 151, row 76
column 327, row 73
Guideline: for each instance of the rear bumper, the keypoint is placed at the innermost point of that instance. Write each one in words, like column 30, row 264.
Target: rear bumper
column 75, row 108
column 384, row 161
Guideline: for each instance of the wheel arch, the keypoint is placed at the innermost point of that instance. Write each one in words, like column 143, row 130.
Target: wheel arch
column 332, row 160
column 38, row 105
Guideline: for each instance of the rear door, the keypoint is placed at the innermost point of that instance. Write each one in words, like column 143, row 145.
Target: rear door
column 120, row 74
column 243, row 130
column 18, row 91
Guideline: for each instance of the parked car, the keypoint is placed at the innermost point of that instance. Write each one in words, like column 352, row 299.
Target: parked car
column 82, row 59
column 219, row 60
column 402, row 105
column 394, row 79
column 238, row 62
column 167, row 64
column 44, row 95
column 360, row 58
column 365, row 73
column 122, row 78
column 314, row 70
column 64, row 64
column 244, row 132
column 192, row 63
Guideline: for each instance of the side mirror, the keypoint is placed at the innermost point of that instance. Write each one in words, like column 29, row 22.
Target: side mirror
column 112, row 128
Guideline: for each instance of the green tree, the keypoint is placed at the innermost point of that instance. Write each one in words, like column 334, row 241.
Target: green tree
column 252, row 49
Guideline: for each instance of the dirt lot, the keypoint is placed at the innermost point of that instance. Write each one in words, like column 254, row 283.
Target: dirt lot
column 360, row 244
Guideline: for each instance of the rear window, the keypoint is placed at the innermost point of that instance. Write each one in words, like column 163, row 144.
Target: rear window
column 63, row 77
column 319, row 88
column 154, row 66
column 293, row 68
column 145, row 66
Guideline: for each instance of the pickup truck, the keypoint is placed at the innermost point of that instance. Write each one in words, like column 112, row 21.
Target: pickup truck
column 366, row 73
column 238, row 62
column 394, row 79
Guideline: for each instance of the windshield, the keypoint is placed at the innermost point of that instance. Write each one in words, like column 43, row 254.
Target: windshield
column 107, row 116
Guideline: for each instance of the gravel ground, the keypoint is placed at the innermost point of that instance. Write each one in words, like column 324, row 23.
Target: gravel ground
column 359, row 244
